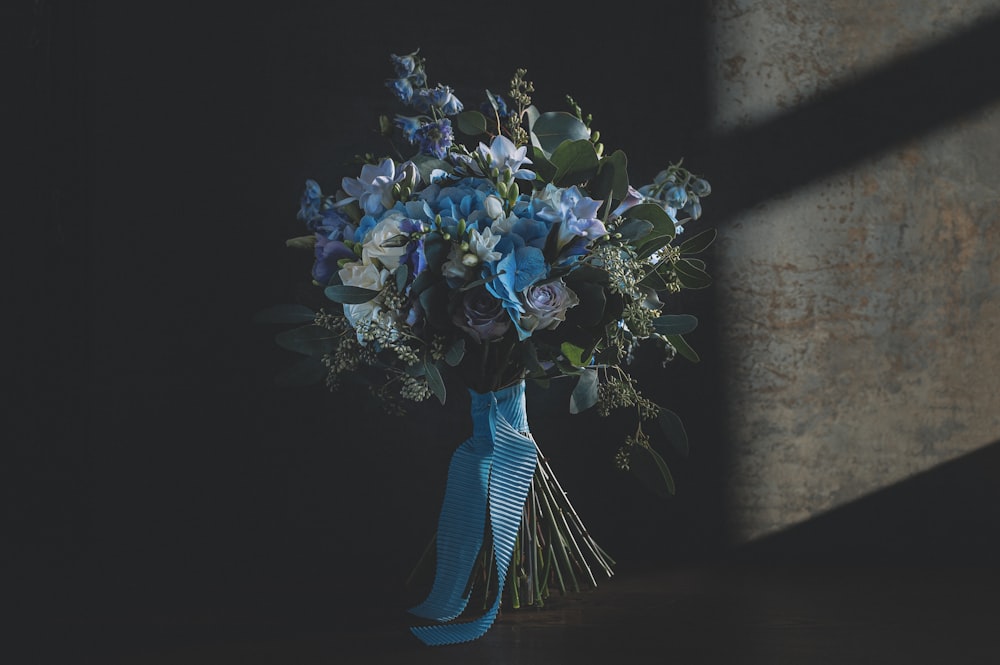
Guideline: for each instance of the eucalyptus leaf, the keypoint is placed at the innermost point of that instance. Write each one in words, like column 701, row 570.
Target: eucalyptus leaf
column 285, row 314
column 311, row 340
column 635, row 229
column 672, row 427
column 426, row 164
column 302, row 242
column 683, row 348
column 584, row 395
column 575, row 162
column 455, row 352
column 699, row 242
column 651, row 469
column 675, row 324
column 548, row 130
column 349, row 295
column 305, row 371
column 691, row 276
column 611, row 182
column 402, row 274
column 472, row 123
column 435, row 381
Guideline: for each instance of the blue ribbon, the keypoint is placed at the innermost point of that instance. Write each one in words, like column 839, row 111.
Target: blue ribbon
column 490, row 471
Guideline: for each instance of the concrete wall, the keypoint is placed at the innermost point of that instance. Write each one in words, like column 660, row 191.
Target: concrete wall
column 859, row 309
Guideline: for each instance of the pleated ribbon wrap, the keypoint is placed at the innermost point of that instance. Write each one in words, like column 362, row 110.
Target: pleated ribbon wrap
column 490, row 472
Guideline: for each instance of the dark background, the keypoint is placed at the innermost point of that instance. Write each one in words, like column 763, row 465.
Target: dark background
column 156, row 472
column 156, row 464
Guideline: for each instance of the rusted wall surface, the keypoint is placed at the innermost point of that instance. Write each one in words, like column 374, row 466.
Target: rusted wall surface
column 859, row 312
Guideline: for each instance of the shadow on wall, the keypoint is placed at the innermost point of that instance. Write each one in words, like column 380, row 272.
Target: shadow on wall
column 949, row 515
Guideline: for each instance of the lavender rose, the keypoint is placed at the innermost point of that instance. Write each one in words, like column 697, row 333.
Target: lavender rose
column 545, row 305
column 482, row 315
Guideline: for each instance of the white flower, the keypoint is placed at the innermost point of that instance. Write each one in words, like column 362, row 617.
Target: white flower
column 385, row 241
column 365, row 276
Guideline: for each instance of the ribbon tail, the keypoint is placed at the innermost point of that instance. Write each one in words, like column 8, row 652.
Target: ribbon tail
column 461, row 524
column 514, row 462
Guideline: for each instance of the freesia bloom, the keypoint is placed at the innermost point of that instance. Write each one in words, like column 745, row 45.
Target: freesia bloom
column 373, row 188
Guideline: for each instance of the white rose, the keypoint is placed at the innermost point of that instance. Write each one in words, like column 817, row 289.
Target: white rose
column 383, row 242
column 365, row 276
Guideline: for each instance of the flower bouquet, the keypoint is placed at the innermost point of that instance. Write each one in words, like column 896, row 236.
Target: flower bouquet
column 494, row 246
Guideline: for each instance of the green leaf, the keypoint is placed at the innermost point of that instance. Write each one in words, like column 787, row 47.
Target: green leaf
column 349, row 295
column 691, row 276
column 402, row 274
column 574, row 354
column 611, row 181
column 575, row 162
column 698, row 243
column 426, row 164
column 549, row 130
column 683, row 348
column 472, row 123
column 675, row 324
column 435, row 381
column 302, row 242
column 305, row 371
column 635, row 229
column 311, row 340
column 436, row 250
column 653, row 213
column 584, row 394
column 455, row 352
column 650, row 468
column 285, row 314
column 672, row 427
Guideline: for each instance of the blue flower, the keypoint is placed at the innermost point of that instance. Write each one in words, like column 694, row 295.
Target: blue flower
column 434, row 138
column 327, row 253
column 373, row 188
column 312, row 199
column 406, row 65
column 409, row 125
column 402, row 88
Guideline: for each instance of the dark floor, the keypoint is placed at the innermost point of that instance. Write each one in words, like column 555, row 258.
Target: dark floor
column 719, row 614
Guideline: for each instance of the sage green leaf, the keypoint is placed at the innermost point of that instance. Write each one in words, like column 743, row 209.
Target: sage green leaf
column 584, row 395
column 663, row 225
column 691, row 276
column 436, row 250
column 652, row 243
column 549, row 130
column 611, row 181
column 435, row 381
column 455, row 352
column 672, row 427
column 683, row 348
column 651, row 469
column 575, row 162
column 402, row 274
column 305, row 371
column 302, row 242
column 654, row 280
column 635, row 229
column 311, row 340
column 699, row 242
column 426, row 164
column 675, row 324
column 285, row 314
column 472, row 123
column 349, row 295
